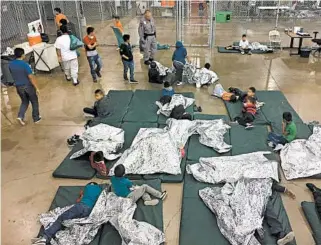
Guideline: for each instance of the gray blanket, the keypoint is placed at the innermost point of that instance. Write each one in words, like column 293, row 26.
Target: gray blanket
column 302, row 158
column 158, row 150
column 108, row 208
column 103, row 138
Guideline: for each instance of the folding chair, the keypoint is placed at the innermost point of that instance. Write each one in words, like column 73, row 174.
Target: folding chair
column 275, row 38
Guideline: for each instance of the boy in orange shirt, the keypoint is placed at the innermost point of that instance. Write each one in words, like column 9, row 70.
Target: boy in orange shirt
column 59, row 17
column 118, row 24
column 93, row 58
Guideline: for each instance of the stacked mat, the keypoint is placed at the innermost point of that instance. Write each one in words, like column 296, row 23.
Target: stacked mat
column 67, row 195
column 313, row 219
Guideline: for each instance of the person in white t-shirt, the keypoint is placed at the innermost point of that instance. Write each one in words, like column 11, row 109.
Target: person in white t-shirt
column 245, row 45
column 68, row 57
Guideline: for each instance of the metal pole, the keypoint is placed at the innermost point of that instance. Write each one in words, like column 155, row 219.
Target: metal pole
column 211, row 40
column 177, row 21
column 78, row 18
column 39, row 12
column 101, row 10
column 277, row 15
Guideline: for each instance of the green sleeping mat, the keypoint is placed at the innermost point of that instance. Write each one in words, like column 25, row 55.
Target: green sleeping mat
column 199, row 224
column 142, row 108
column 196, row 149
column 236, row 43
column 313, row 219
column 75, row 168
column 150, row 214
column 275, row 105
column 235, row 51
column 235, row 109
column 118, row 103
column 162, row 119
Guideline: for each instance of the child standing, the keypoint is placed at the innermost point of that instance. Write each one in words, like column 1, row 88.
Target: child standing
column 127, row 58
column 167, row 90
column 288, row 133
column 93, row 57
column 118, row 24
column 245, row 45
column 248, row 113
column 123, row 187
column 97, row 162
column 178, row 58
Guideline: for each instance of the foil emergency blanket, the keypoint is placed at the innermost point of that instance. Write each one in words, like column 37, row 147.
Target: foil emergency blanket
column 198, row 76
column 302, row 158
column 232, row 168
column 162, row 69
column 157, row 150
column 177, row 99
column 108, row 208
column 258, row 46
column 239, row 208
column 103, row 138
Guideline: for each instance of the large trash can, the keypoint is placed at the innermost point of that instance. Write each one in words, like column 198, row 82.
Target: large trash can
column 223, row 16
column 305, row 52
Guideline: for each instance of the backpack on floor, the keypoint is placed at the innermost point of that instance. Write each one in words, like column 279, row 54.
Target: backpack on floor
column 153, row 74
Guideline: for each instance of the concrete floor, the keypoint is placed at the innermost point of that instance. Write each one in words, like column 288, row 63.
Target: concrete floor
column 31, row 153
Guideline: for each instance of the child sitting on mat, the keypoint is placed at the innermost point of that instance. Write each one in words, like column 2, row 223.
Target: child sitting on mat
column 220, row 92
column 97, row 162
column 123, row 187
column 100, row 105
column 288, row 133
column 243, row 95
column 167, row 90
column 81, row 209
column 248, row 113
column 244, row 45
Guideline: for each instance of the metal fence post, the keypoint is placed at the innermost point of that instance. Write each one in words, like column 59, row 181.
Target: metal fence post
column 78, row 18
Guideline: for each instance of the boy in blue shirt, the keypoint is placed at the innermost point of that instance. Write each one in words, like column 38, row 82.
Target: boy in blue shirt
column 81, row 209
column 26, row 86
column 167, row 90
column 123, row 187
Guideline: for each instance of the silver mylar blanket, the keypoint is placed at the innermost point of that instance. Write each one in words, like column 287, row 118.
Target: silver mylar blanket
column 103, row 138
column 232, row 168
column 302, row 158
column 162, row 69
column 177, row 99
column 198, row 76
column 158, row 150
column 239, row 208
column 108, row 208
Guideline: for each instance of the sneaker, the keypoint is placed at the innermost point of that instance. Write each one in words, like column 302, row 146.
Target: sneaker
column 270, row 144
column 87, row 115
column 133, row 81
column 38, row 241
column 75, row 137
column 311, row 187
column 164, row 195
column 153, row 202
column 71, row 142
column 38, row 121
column 278, row 147
column 20, row 120
column 285, row 240
column 249, row 126
column 249, row 53
column 95, row 81
column 147, row 62
column 68, row 78
column 242, row 52
column 179, row 83
column 75, row 84
column 98, row 73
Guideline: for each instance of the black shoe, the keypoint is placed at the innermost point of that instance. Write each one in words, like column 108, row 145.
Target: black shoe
column 98, row 73
column 71, row 142
column 75, row 84
column 311, row 187
column 68, row 79
column 147, row 62
column 95, row 81
column 126, row 78
column 151, row 59
column 133, row 81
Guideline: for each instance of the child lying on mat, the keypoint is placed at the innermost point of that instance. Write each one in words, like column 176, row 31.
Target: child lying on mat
column 123, row 187
column 288, row 133
column 248, row 113
column 220, row 92
column 97, row 162
column 81, row 209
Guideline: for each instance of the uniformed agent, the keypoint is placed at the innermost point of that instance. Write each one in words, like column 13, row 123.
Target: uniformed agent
column 147, row 35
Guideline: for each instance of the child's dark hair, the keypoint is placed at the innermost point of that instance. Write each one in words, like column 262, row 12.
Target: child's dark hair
column 244, row 35
column 116, row 17
column 99, row 91
column 18, row 52
column 287, row 116
column 207, row 66
column 63, row 22
column 187, row 116
column 90, row 29
column 58, row 10
column 251, row 99
column 119, row 170
column 233, row 98
column 126, row 37
column 166, row 84
column 98, row 156
column 64, row 29
column 252, row 89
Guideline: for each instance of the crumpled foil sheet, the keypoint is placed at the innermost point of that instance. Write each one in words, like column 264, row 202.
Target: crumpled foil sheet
column 177, row 99
column 102, row 137
column 108, row 208
column 158, row 150
column 232, row 168
column 239, row 208
column 162, row 69
column 302, row 158
column 201, row 76
column 259, row 46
